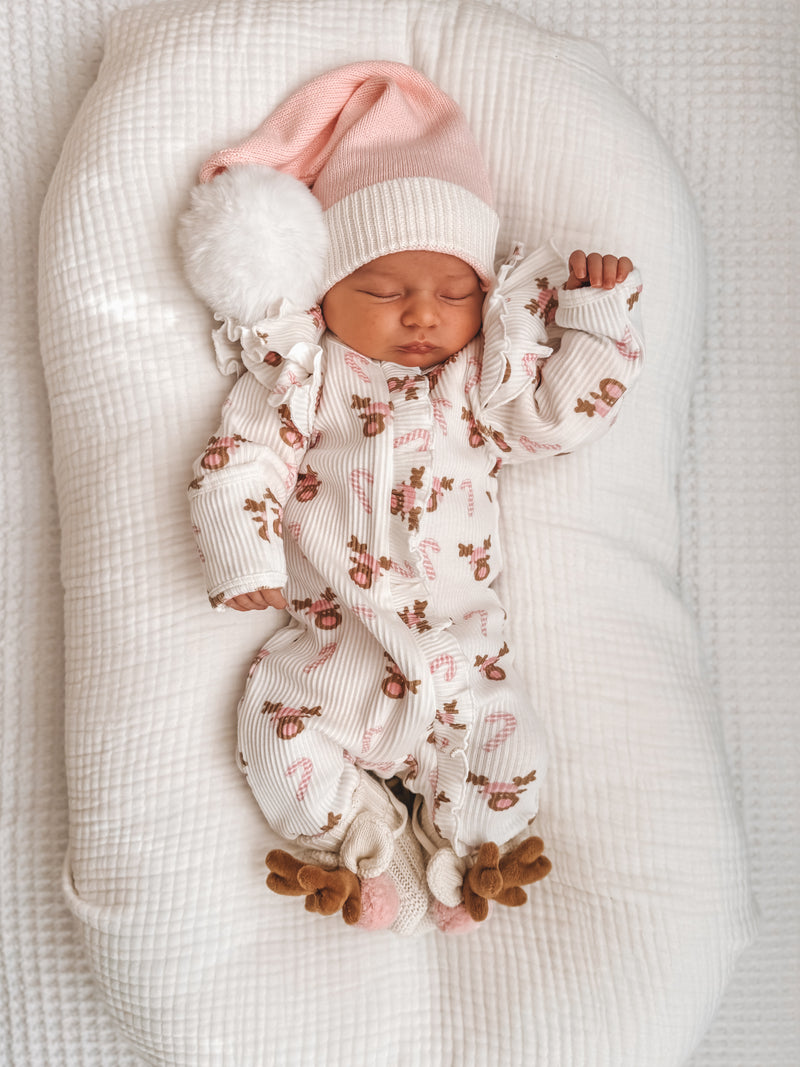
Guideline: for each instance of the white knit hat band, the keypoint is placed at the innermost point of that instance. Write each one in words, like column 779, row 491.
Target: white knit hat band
column 410, row 213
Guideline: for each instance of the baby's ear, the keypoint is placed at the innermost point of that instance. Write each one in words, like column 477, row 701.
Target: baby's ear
column 252, row 237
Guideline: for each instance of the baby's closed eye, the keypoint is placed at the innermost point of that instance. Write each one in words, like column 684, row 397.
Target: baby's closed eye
column 379, row 296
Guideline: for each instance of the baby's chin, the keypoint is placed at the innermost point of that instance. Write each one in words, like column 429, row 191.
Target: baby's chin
column 415, row 360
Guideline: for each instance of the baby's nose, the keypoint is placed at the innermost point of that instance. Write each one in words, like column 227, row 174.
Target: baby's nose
column 420, row 310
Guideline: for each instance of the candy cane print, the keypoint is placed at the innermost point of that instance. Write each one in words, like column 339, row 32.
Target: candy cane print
column 530, row 364
column 474, row 366
column 438, row 403
column 358, row 478
column 363, row 612
column 404, row 569
column 447, row 661
column 467, row 484
column 534, row 446
column 414, row 435
column 426, row 547
column 196, row 532
column 356, row 365
column 381, row 768
column 366, row 740
column 325, row 654
column 306, row 768
column 484, row 615
column 290, row 477
column 627, row 347
column 505, row 731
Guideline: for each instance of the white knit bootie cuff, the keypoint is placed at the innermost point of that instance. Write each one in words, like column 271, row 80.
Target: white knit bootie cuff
column 445, row 874
column 368, row 847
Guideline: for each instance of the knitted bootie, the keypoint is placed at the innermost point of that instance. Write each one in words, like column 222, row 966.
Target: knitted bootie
column 444, row 875
column 397, row 897
column 377, row 879
column 462, row 891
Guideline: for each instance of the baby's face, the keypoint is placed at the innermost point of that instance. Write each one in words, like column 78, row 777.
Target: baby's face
column 411, row 308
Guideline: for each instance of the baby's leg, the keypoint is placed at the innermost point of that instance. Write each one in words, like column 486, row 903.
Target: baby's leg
column 351, row 849
column 299, row 776
column 493, row 855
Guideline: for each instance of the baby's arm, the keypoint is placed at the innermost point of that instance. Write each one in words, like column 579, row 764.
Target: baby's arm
column 236, row 498
column 557, row 360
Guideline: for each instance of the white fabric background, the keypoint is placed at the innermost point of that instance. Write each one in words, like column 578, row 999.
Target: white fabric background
column 718, row 82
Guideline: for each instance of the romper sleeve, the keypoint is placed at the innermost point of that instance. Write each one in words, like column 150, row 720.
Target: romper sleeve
column 555, row 361
column 249, row 467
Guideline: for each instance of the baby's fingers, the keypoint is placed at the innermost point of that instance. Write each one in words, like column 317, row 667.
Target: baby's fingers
column 597, row 270
column 579, row 274
column 624, row 267
column 606, row 271
column 602, row 270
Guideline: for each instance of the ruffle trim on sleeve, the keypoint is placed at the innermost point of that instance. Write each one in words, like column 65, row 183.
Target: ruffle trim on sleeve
column 283, row 352
column 238, row 346
column 516, row 313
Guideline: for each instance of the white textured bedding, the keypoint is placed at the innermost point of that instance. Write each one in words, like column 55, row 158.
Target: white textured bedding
column 177, row 927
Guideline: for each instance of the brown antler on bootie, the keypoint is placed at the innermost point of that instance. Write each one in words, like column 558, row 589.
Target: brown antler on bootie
column 332, row 891
column 282, row 878
column 483, row 881
column 501, row 879
column 326, row 891
column 525, row 864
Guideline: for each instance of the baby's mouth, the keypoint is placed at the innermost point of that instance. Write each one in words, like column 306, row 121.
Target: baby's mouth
column 418, row 348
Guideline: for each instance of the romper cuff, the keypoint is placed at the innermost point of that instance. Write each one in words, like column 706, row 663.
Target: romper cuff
column 604, row 312
column 249, row 584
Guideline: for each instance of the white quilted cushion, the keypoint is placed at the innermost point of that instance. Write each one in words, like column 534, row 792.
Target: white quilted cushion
column 623, row 952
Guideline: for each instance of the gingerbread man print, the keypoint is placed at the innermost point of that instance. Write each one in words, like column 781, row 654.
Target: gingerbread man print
column 439, row 486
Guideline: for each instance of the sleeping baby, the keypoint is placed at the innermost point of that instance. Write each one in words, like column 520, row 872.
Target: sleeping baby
column 348, row 248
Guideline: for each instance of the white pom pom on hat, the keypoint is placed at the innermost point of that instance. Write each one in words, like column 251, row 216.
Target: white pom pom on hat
column 253, row 237
column 363, row 161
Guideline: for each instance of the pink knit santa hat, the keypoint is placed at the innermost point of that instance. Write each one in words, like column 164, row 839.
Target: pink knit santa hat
column 363, row 161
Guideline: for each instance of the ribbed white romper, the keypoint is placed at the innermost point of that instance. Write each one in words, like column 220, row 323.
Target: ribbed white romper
column 367, row 492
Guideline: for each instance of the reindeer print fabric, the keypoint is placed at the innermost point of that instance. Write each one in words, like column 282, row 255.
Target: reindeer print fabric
column 366, row 491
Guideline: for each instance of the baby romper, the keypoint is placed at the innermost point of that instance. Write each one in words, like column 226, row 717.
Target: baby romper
column 367, row 492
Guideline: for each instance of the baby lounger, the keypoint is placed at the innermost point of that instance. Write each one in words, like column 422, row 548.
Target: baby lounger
column 622, row 954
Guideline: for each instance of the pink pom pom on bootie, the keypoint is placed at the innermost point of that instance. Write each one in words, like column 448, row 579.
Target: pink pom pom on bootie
column 380, row 903
column 453, row 920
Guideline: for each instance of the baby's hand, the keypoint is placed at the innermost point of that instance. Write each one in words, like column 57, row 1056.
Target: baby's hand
column 601, row 272
column 257, row 601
